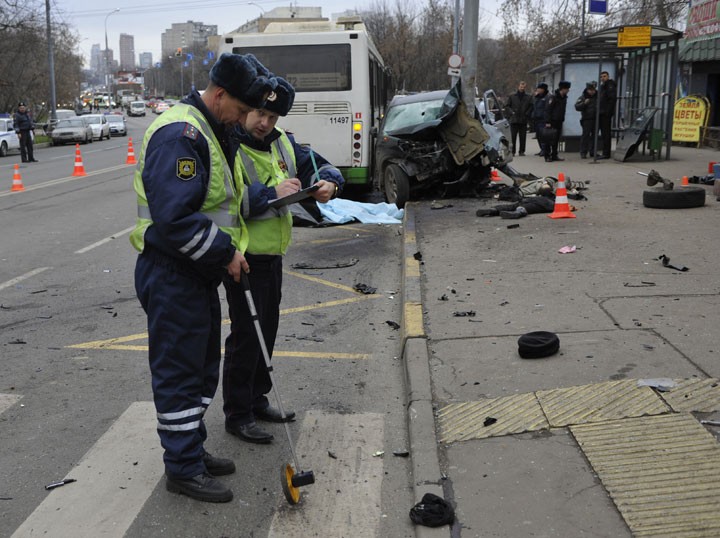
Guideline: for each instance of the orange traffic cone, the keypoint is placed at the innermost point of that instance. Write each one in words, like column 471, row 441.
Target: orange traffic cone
column 17, row 185
column 685, row 181
column 494, row 176
column 79, row 168
column 562, row 207
column 131, row 153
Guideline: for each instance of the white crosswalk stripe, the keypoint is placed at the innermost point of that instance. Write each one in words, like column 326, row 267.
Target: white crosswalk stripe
column 114, row 479
column 345, row 499
column 8, row 400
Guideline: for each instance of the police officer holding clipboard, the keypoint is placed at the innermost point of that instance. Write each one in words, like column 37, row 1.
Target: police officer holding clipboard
column 276, row 167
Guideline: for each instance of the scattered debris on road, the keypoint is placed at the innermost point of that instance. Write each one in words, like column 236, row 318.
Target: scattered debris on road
column 489, row 421
column 364, row 288
column 432, row 511
column 393, row 324
column 567, row 249
column 401, row 453
column 666, row 263
column 337, row 265
column 464, row 313
column 661, row 384
column 60, row 483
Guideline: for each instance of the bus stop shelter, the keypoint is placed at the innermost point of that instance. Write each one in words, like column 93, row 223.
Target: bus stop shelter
column 643, row 60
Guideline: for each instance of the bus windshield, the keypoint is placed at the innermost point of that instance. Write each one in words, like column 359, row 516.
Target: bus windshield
column 309, row 68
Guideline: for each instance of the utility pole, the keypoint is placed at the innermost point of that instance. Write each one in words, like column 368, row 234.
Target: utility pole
column 51, row 63
column 469, row 51
column 456, row 36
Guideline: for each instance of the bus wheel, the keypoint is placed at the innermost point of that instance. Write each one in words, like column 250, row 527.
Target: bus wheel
column 396, row 184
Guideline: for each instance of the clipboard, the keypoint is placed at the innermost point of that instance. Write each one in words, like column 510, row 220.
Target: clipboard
column 293, row 198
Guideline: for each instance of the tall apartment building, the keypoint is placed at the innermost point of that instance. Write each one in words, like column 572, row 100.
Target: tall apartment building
column 127, row 52
column 145, row 60
column 186, row 35
column 96, row 58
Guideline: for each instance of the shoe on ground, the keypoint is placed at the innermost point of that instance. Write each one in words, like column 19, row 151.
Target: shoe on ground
column 548, row 159
column 558, row 159
column 271, row 414
column 583, row 155
column 218, row 466
column 34, row 161
column 252, row 433
column 539, row 154
column 602, row 157
column 522, row 154
column 203, row 487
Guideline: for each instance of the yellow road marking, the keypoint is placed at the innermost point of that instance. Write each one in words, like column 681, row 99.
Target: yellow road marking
column 413, row 320
column 412, row 267
column 321, row 281
column 329, row 303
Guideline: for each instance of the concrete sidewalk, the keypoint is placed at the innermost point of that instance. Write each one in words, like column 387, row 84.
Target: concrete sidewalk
column 577, row 447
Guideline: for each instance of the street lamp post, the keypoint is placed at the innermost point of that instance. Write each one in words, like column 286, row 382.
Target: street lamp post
column 107, row 59
column 51, row 63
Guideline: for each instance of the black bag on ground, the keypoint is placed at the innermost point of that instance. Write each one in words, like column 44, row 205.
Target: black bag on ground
column 432, row 511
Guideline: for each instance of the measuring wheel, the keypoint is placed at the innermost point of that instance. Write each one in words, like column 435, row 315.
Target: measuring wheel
column 292, row 494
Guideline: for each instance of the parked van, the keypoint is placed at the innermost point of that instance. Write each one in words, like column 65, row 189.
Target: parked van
column 137, row 108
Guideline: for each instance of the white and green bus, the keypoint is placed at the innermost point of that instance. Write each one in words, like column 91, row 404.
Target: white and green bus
column 340, row 81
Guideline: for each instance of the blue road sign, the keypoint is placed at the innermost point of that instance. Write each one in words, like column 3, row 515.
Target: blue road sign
column 211, row 55
column 189, row 56
column 599, row 7
column 185, row 64
column 205, row 62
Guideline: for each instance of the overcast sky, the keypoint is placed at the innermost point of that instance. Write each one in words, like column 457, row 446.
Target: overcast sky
column 147, row 21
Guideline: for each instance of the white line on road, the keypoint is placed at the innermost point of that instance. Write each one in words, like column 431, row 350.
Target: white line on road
column 106, row 240
column 8, row 400
column 356, row 473
column 20, row 278
column 127, row 455
column 61, row 180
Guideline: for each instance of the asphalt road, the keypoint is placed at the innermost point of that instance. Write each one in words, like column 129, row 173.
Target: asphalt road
column 75, row 398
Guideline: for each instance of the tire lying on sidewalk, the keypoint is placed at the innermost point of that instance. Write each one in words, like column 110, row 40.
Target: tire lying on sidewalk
column 682, row 198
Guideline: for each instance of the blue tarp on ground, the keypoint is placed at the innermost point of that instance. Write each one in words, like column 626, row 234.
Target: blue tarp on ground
column 341, row 211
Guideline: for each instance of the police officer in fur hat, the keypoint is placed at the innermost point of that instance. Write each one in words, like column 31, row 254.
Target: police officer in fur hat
column 275, row 166
column 190, row 233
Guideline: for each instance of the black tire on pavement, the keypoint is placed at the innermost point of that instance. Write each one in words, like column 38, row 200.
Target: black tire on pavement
column 3, row 149
column 396, row 185
column 680, row 198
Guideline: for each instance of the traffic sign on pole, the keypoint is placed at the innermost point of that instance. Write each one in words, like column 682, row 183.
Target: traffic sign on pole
column 598, row 7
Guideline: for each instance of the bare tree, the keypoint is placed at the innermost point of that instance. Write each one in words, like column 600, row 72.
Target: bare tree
column 24, row 71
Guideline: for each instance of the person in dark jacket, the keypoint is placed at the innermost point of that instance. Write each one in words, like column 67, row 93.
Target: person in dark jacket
column 519, row 106
column 23, row 127
column 538, row 114
column 554, row 119
column 586, row 104
column 606, row 101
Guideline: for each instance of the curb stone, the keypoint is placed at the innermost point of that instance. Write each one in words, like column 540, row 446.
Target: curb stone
column 427, row 477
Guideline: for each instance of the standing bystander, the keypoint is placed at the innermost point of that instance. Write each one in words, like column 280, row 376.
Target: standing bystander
column 606, row 103
column 520, row 107
column 554, row 119
column 24, row 128
column 586, row 104
column 538, row 115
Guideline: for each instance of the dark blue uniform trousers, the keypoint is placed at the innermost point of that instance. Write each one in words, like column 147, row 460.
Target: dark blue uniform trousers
column 183, row 311
column 245, row 377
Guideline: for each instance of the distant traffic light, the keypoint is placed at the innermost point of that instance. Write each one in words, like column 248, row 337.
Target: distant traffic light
column 178, row 52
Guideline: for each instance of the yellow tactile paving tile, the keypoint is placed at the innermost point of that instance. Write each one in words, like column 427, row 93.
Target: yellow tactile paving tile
column 599, row 402
column 702, row 395
column 662, row 472
column 514, row 414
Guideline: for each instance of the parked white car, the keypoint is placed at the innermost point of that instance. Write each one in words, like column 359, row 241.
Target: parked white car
column 99, row 125
column 8, row 138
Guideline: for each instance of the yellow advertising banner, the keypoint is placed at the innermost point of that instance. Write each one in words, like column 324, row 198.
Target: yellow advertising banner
column 634, row 36
column 689, row 115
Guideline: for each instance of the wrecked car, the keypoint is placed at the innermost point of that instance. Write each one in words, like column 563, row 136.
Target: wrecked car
column 428, row 144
